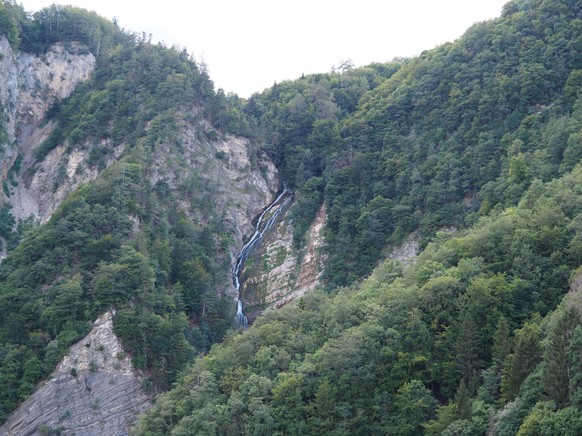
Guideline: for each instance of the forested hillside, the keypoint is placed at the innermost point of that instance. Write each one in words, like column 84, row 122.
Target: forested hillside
column 456, row 344
column 447, row 137
column 474, row 145
column 473, row 148
column 146, row 237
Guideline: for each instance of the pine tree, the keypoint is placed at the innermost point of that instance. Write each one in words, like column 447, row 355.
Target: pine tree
column 463, row 401
column 522, row 361
column 467, row 347
column 575, row 354
column 501, row 341
column 555, row 376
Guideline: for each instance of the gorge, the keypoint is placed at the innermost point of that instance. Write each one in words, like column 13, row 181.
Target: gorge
column 411, row 236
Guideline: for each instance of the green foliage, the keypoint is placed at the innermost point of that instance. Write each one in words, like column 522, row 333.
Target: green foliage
column 481, row 135
column 442, row 138
column 132, row 98
column 544, row 420
column 11, row 16
column 68, row 24
column 460, row 325
column 306, row 208
column 556, row 368
column 87, row 259
column 575, row 373
column 7, row 221
column 522, row 361
column 414, row 406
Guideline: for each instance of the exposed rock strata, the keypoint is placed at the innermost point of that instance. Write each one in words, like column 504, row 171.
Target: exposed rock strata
column 31, row 84
column 217, row 177
column 574, row 297
column 407, row 251
column 93, row 391
column 218, row 181
column 278, row 273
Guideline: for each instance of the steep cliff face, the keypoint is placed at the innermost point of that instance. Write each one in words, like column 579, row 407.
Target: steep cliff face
column 279, row 273
column 218, row 180
column 240, row 186
column 93, row 391
column 31, row 85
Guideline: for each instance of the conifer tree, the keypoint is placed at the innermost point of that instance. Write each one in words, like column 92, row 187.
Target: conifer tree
column 575, row 354
column 522, row 361
column 555, row 378
column 501, row 341
column 468, row 346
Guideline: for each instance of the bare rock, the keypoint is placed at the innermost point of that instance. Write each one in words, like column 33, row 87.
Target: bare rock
column 93, row 391
column 30, row 85
column 278, row 273
column 407, row 251
column 574, row 296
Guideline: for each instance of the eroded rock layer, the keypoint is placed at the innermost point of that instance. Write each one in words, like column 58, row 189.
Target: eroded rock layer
column 93, row 391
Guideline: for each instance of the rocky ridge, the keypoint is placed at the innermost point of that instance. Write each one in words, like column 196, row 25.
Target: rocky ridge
column 93, row 391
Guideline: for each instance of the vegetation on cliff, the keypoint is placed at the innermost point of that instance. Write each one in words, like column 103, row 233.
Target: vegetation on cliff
column 128, row 240
column 480, row 137
column 475, row 145
column 465, row 339
column 435, row 141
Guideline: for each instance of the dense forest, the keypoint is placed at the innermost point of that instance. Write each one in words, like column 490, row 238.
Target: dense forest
column 462, row 342
column 473, row 148
column 434, row 141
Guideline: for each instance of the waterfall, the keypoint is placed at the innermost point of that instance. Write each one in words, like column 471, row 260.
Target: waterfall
column 263, row 224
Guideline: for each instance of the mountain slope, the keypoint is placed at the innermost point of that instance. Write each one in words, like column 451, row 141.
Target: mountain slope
column 445, row 137
column 476, row 145
column 460, row 327
column 93, row 391
column 144, row 203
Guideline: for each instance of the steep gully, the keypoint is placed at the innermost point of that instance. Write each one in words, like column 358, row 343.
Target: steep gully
column 265, row 221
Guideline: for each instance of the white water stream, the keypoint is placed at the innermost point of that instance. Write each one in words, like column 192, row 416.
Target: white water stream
column 271, row 213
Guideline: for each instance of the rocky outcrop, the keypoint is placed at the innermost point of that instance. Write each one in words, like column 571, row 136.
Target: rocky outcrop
column 574, row 296
column 30, row 85
column 93, row 391
column 218, row 180
column 59, row 173
column 407, row 251
column 223, row 165
column 279, row 273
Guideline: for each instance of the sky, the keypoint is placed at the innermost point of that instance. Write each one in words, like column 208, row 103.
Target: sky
column 248, row 45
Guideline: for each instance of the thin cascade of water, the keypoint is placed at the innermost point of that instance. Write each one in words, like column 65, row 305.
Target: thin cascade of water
column 282, row 200
column 240, row 321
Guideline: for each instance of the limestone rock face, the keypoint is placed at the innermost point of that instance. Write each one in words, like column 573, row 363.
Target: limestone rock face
column 407, row 251
column 278, row 273
column 30, row 85
column 93, row 391
column 574, row 297
column 218, row 180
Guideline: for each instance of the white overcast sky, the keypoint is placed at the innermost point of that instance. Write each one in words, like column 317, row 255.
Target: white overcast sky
column 250, row 44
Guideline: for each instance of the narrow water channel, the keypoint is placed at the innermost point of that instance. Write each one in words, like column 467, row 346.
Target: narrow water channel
column 265, row 221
